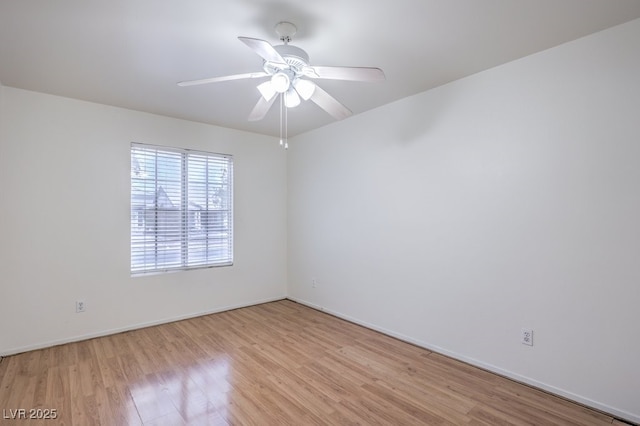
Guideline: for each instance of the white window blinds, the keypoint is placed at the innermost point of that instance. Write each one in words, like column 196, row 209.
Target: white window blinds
column 181, row 209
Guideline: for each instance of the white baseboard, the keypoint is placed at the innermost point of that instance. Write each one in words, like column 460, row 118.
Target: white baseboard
column 613, row 411
column 102, row 333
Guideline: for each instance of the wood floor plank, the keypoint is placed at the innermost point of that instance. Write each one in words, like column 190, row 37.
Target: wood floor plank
column 150, row 398
column 405, row 410
column 8, row 376
column 455, row 411
column 294, row 385
column 122, row 408
column 275, row 363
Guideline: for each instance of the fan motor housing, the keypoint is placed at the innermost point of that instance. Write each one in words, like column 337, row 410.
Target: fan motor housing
column 295, row 57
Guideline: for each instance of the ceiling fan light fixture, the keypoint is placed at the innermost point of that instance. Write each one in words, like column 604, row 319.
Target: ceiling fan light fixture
column 280, row 82
column 291, row 98
column 266, row 90
column 305, row 88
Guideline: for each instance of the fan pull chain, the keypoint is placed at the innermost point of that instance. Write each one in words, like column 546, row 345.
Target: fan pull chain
column 281, row 141
column 286, row 127
column 284, row 140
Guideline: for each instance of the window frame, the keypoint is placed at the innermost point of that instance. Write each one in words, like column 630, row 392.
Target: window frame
column 215, row 232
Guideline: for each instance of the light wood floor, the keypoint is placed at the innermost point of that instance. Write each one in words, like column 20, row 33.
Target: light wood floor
column 277, row 363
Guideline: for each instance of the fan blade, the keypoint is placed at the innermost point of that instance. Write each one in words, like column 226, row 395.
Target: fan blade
column 330, row 104
column 223, row 78
column 265, row 50
column 261, row 109
column 345, row 73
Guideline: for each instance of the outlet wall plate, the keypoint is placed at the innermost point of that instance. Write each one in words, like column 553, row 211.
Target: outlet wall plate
column 80, row 306
column 526, row 336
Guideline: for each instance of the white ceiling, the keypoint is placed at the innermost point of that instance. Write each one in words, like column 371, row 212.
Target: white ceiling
column 131, row 53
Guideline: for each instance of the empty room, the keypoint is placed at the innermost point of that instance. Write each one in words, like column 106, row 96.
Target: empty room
column 339, row 212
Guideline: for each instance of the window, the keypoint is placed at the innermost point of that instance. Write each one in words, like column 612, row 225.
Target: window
column 181, row 209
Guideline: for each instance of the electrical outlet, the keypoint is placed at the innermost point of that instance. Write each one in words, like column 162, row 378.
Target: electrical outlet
column 526, row 336
column 314, row 282
column 80, row 306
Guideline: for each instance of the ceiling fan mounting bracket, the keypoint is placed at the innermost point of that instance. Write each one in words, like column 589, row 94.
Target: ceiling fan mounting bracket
column 285, row 31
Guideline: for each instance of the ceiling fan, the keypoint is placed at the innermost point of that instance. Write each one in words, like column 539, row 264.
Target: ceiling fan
column 290, row 76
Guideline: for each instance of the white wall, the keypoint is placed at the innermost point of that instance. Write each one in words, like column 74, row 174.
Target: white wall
column 504, row 200
column 64, row 222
